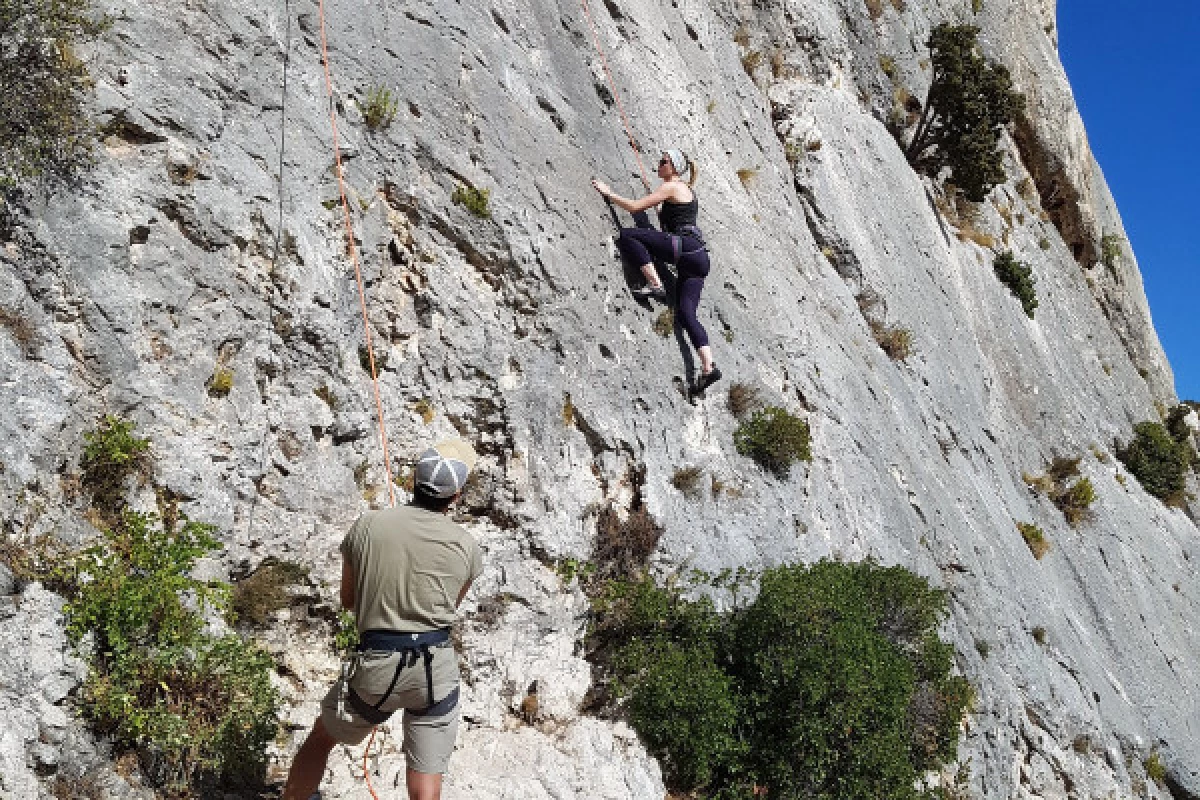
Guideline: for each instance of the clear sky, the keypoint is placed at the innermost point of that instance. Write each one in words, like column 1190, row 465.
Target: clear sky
column 1135, row 70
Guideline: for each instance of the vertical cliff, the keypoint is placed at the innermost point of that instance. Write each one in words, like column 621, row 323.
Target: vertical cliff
column 196, row 244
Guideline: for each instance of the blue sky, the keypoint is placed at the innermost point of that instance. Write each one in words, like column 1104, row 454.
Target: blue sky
column 1135, row 70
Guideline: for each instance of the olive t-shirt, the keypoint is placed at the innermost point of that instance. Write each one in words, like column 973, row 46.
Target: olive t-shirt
column 409, row 566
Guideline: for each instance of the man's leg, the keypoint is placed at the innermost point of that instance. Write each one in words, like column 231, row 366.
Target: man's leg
column 423, row 785
column 308, row 767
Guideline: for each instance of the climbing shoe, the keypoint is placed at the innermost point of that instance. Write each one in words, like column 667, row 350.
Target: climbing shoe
column 650, row 291
column 705, row 380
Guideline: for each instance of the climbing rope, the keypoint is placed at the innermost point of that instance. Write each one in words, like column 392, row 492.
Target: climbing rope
column 287, row 59
column 612, row 85
column 353, row 249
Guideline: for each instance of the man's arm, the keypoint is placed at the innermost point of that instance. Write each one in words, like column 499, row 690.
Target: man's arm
column 347, row 589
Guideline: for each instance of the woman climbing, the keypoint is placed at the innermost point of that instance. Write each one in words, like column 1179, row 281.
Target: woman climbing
column 679, row 243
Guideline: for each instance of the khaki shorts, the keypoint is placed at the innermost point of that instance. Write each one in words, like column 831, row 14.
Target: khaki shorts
column 428, row 740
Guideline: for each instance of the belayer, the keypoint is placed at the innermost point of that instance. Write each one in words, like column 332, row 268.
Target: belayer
column 679, row 243
column 404, row 572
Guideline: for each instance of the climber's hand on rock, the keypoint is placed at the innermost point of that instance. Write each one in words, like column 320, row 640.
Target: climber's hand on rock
column 601, row 187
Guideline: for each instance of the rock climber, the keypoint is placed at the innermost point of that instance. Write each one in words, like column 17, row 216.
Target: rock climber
column 679, row 243
column 404, row 572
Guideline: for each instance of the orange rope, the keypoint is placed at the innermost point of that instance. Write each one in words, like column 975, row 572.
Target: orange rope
column 362, row 295
column 366, row 773
column 616, row 95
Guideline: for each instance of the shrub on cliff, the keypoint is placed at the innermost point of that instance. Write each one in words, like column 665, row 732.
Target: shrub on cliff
column 833, row 683
column 775, row 438
column 43, row 125
column 198, row 707
column 1018, row 277
column 970, row 101
column 1157, row 460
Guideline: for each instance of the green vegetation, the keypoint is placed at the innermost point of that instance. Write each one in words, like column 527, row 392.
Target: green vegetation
column 888, row 65
column 1018, row 277
column 1155, row 769
column 1158, row 460
column 1039, row 634
column 831, row 684
column 1110, row 250
column 345, row 635
column 221, row 382
column 198, row 706
column 380, row 107
column 976, row 6
column 1072, row 499
column 775, row 439
column 477, row 201
column 970, row 101
column 46, row 132
column 1035, row 538
column 111, row 456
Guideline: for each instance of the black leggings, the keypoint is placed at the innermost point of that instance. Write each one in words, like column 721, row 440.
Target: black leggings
column 641, row 246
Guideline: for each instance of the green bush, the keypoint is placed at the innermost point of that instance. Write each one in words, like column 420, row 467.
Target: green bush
column 774, row 438
column 1035, row 538
column 1018, row 277
column 43, row 124
column 1075, row 500
column 477, row 201
column 833, row 683
column 111, row 456
column 1110, row 250
column 1157, row 460
column 970, row 101
column 198, row 707
column 379, row 109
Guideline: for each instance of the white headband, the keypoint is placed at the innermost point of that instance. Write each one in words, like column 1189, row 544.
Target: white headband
column 678, row 160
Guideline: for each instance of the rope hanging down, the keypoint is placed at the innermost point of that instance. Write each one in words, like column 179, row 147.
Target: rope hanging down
column 612, row 84
column 362, row 295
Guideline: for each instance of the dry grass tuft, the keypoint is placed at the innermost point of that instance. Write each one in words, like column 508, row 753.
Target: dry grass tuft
column 743, row 398
column 266, row 590
column 896, row 342
column 687, row 481
column 23, row 331
column 623, row 546
column 568, row 411
column 746, row 175
column 664, row 324
column 425, row 409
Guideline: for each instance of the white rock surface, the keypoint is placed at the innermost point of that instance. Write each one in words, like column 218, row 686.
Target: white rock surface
column 160, row 267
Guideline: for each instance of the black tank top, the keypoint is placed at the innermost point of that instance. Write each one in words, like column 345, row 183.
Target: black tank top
column 673, row 216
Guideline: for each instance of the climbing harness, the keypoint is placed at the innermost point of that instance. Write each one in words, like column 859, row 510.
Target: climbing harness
column 353, row 249
column 411, row 647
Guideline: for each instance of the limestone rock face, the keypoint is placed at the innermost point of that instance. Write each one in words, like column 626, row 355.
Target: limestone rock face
column 196, row 244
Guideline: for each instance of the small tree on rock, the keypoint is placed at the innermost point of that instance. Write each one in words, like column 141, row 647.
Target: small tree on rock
column 970, row 101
